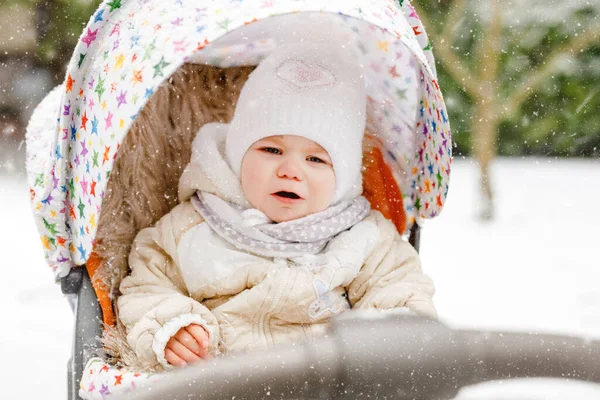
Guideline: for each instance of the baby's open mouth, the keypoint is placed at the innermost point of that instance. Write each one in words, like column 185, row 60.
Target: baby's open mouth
column 287, row 195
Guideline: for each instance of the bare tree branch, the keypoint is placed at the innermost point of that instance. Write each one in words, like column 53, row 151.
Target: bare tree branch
column 446, row 55
column 487, row 50
column 456, row 15
column 536, row 77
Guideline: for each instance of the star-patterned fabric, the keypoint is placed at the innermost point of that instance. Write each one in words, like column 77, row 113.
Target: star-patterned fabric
column 129, row 47
column 101, row 380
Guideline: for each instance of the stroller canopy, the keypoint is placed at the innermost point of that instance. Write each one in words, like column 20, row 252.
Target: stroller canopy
column 130, row 47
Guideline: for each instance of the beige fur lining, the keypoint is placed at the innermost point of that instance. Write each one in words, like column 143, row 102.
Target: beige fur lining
column 144, row 180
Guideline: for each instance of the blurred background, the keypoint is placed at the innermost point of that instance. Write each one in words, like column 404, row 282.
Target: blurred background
column 515, row 246
column 36, row 43
column 520, row 78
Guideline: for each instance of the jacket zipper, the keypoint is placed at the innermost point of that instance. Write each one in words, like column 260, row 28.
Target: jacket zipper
column 261, row 324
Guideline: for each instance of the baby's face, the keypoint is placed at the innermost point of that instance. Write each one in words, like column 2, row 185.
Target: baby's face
column 287, row 177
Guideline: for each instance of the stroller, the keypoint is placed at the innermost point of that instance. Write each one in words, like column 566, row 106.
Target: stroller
column 144, row 77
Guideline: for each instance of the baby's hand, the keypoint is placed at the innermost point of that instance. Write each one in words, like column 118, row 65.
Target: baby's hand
column 188, row 345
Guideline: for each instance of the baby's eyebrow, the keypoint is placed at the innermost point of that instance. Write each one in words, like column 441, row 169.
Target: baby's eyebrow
column 316, row 149
column 273, row 139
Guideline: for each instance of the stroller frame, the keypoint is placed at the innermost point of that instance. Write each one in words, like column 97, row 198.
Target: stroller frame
column 88, row 321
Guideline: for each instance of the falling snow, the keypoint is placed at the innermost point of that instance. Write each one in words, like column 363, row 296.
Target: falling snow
column 534, row 268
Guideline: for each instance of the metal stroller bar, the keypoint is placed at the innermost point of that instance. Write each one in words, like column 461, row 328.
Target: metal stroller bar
column 88, row 317
column 415, row 236
column 394, row 358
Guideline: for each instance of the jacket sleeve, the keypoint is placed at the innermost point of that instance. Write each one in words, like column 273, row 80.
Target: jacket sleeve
column 391, row 278
column 154, row 303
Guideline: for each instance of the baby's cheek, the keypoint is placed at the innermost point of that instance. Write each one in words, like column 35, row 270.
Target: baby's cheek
column 248, row 177
column 325, row 188
column 253, row 187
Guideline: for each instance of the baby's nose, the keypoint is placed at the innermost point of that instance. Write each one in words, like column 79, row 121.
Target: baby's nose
column 290, row 168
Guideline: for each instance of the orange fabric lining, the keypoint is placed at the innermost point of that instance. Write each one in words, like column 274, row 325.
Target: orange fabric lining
column 108, row 315
column 379, row 187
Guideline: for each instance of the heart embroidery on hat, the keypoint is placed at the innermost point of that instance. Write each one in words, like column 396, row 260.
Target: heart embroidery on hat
column 303, row 75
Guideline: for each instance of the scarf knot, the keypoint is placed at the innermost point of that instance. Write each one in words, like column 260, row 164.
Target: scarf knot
column 253, row 217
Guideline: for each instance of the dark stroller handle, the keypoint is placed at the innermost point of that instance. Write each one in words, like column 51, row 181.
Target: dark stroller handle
column 395, row 357
column 414, row 237
column 88, row 326
column 71, row 283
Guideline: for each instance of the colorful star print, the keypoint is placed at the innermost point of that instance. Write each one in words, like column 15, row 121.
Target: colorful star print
column 100, row 88
column 121, row 99
column 111, row 381
column 98, row 16
column 114, row 4
column 81, row 58
column 69, row 83
column 158, row 68
column 89, row 37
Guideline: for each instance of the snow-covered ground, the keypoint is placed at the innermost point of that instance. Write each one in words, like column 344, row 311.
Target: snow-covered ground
column 36, row 320
column 535, row 267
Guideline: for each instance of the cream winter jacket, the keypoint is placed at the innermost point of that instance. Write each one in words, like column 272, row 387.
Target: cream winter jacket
column 182, row 272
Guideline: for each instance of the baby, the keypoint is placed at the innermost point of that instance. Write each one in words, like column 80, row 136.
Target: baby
column 272, row 237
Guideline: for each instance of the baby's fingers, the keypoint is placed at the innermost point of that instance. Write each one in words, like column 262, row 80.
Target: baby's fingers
column 173, row 358
column 202, row 338
column 199, row 333
column 187, row 340
column 181, row 351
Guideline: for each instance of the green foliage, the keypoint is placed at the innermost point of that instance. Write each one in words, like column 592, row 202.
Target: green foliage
column 560, row 117
column 60, row 23
column 560, row 121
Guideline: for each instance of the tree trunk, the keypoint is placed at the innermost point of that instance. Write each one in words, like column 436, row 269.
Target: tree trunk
column 485, row 129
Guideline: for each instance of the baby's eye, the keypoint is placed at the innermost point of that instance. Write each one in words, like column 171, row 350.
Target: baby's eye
column 271, row 150
column 315, row 159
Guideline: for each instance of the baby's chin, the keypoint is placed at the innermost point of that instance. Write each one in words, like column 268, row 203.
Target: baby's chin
column 278, row 213
column 288, row 215
column 285, row 216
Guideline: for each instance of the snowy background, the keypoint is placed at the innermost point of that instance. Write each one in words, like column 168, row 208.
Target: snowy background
column 535, row 267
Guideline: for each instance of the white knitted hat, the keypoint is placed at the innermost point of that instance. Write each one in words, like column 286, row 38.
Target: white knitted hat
column 314, row 91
